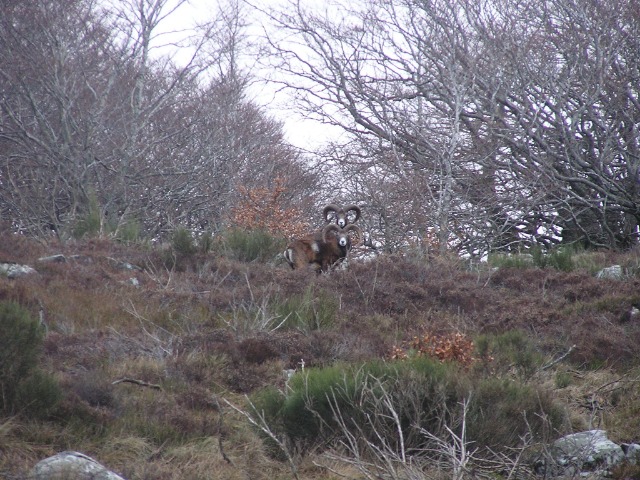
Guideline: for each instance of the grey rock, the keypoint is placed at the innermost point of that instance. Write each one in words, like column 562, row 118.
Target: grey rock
column 631, row 452
column 613, row 272
column 123, row 265
column 71, row 465
column 13, row 270
column 583, row 453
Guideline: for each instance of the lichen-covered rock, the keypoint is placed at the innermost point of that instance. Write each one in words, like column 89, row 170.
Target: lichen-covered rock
column 584, row 452
column 13, row 270
column 71, row 466
column 613, row 272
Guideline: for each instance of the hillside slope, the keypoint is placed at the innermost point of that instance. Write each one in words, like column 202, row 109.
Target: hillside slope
column 147, row 344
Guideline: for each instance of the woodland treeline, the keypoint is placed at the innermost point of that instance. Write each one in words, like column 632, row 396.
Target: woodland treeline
column 469, row 125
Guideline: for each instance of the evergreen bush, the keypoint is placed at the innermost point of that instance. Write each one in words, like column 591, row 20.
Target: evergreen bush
column 512, row 351
column 182, row 242
column 22, row 385
column 321, row 406
column 251, row 245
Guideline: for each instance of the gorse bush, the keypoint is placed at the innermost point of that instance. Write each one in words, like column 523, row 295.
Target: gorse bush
column 94, row 223
column 560, row 258
column 509, row 351
column 322, row 406
column 128, row 232
column 182, row 242
column 22, row 385
column 251, row 245
column 89, row 224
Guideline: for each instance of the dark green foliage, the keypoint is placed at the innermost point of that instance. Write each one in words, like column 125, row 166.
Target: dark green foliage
column 38, row 395
column 560, row 258
column 251, row 245
column 503, row 411
column 205, row 242
column 424, row 394
column 509, row 351
column 90, row 223
column 182, row 242
column 22, row 385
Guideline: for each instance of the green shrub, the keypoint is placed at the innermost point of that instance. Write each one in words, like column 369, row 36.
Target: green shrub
column 251, row 245
column 309, row 311
column 182, row 242
column 501, row 260
column 423, row 394
column 205, row 242
column 502, row 412
column 129, row 232
column 511, row 351
column 563, row 379
column 560, row 258
column 22, row 385
column 89, row 224
column 38, row 394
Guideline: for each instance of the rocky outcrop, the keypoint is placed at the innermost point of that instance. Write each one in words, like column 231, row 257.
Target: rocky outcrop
column 588, row 453
column 71, row 465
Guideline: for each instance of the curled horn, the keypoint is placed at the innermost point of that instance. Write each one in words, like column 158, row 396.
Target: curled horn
column 330, row 208
column 354, row 228
column 329, row 228
column 353, row 208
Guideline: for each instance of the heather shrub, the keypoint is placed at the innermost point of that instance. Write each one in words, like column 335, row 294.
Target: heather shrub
column 22, row 385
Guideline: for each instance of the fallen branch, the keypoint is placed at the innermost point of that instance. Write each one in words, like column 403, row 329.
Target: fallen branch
column 558, row 360
column 137, row 382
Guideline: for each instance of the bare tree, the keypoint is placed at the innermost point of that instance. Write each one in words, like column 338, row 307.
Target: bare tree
column 505, row 122
column 95, row 125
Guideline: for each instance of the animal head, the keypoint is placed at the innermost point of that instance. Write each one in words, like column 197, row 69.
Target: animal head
column 342, row 236
column 341, row 214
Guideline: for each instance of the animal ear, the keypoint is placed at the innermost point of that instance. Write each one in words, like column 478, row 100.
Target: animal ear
column 332, row 227
column 355, row 209
column 328, row 209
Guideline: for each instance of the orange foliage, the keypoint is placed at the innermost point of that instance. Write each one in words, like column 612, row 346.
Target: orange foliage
column 453, row 347
column 262, row 208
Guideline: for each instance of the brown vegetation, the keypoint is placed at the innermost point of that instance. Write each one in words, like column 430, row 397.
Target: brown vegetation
column 217, row 329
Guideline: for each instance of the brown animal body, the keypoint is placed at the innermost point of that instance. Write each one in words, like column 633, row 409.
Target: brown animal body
column 322, row 249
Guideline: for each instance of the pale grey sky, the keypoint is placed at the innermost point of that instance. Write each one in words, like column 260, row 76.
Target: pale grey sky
column 302, row 133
